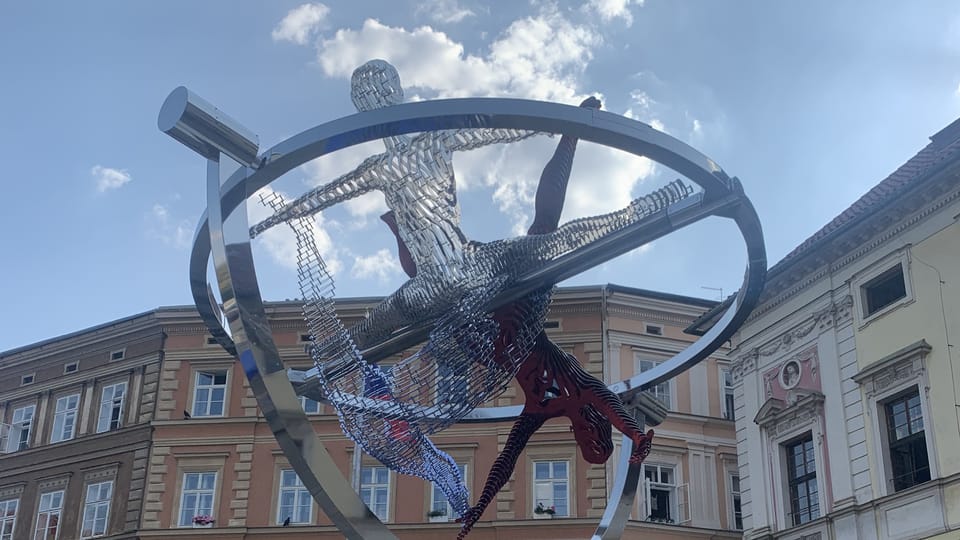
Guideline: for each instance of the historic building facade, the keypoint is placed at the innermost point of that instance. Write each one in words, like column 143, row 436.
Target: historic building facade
column 847, row 374
column 146, row 428
column 213, row 455
column 75, row 432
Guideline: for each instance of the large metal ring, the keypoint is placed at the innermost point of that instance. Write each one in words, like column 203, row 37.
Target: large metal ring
column 252, row 342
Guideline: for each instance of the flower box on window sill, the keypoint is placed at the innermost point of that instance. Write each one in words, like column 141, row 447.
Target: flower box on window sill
column 543, row 516
column 202, row 525
column 438, row 519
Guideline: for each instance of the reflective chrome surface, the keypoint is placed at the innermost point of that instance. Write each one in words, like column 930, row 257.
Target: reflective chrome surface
column 252, row 341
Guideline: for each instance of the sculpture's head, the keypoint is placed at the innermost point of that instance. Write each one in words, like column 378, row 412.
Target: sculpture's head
column 374, row 85
column 593, row 434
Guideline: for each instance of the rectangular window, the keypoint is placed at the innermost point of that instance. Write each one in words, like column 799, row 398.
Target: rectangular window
column 8, row 518
column 310, row 406
column 654, row 330
column 907, row 441
column 96, row 509
column 660, row 391
column 48, row 516
column 21, row 423
column 196, row 498
column 551, row 486
column 72, row 367
column 660, row 482
column 27, row 379
column 295, row 502
column 375, row 490
column 727, row 378
column 111, row 407
column 802, row 480
column 209, row 392
column 735, row 499
column 65, row 418
column 438, row 499
column 883, row 290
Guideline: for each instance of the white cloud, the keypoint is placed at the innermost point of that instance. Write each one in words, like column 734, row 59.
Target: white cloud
column 173, row 232
column 281, row 243
column 517, row 64
column 382, row 265
column 300, row 23
column 444, row 11
column 108, row 178
column 613, row 9
column 538, row 57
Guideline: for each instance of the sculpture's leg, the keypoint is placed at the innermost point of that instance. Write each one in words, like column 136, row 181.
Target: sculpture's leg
column 592, row 391
column 523, row 429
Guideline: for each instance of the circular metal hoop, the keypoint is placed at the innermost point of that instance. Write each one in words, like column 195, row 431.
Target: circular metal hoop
column 250, row 338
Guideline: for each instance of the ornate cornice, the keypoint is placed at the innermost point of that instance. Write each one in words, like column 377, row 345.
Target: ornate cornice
column 777, row 416
column 901, row 366
column 832, row 315
column 880, row 235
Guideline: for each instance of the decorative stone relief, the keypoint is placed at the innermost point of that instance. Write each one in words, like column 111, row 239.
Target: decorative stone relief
column 901, row 366
column 832, row 315
column 778, row 416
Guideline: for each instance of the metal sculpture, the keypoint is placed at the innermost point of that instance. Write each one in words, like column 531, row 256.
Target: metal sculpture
column 455, row 301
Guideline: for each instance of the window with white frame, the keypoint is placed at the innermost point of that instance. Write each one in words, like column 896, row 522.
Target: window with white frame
column 21, row 424
column 735, row 502
column 196, row 497
column 906, row 441
column 726, row 378
column 661, row 391
column 8, row 518
column 48, row 516
column 96, row 509
column 375, row 490
column 802, row 480
column 551, row 486
column 661, row 503
column 209, row 392
column 65, row 418
column 438, row 499
column 309, row 406
column 111, row 407
column 295, row 505
column 883, row 290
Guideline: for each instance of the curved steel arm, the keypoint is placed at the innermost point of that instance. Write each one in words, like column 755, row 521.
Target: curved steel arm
column 721, row 196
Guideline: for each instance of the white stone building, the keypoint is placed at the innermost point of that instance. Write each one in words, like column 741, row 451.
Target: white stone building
column 847, row 375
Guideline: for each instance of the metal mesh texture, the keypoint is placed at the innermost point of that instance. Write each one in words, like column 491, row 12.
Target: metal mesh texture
column 466, row 361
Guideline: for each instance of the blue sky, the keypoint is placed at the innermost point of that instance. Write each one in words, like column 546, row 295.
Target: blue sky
column 809, row 104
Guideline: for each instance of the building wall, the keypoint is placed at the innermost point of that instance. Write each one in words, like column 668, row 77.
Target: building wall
column 240, row 448
column 852, row 363
column 118, row 455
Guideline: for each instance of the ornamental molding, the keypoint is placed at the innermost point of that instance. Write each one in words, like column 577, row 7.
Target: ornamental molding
column 777, row 416
column 11, row 491
column 625, row 312
column 835, row 314
column 879, row 236
column 904, row 365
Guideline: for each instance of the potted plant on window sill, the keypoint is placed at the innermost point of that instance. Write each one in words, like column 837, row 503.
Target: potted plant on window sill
column 437, row 516
column 543, row 512
column 203, row 521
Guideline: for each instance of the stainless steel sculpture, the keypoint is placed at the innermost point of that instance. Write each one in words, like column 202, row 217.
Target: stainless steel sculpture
column 458, row 284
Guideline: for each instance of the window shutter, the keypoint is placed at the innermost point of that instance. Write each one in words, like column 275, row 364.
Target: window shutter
column 683, row 503
column 646, row 500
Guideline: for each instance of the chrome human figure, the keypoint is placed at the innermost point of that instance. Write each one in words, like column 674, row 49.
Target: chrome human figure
column 468, row 359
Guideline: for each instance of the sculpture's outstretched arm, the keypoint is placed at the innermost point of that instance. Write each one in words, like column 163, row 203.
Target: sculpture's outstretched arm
column 523, row 429
column 471, row 139
column 350, row 185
